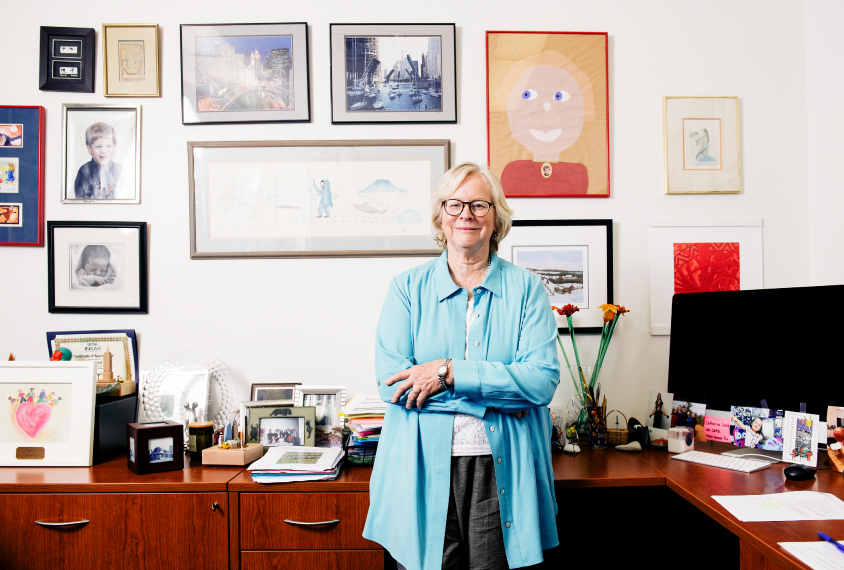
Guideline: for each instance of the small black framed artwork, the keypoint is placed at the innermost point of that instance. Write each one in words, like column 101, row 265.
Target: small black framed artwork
column 573, row 258
column 97, row 267
column 155, row 447
column 393, row 73
column 67, row 59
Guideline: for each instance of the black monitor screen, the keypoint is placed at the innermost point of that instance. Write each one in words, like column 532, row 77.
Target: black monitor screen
column 736, row 348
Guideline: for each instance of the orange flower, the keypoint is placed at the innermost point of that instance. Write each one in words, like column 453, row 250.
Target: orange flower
column 622, row 310
column 609, row 311
column 567, row 310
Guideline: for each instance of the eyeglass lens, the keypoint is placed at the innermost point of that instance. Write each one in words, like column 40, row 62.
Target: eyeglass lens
column 478, row 207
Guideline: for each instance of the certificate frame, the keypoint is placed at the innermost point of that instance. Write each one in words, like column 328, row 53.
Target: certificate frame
column 124, row 339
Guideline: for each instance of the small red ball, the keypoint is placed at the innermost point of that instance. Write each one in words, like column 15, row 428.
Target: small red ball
column 838, row 434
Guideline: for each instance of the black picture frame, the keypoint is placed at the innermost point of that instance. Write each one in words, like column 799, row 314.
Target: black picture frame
column 442, row 80
column 55, row 67
column 595, row 234
column 299, row 61
column 66, row 294
column 138, row 436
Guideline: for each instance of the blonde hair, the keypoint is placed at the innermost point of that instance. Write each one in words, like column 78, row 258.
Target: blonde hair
column 98, row 131
column 449, row 184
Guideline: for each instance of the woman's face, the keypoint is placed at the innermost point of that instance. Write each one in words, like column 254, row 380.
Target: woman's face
column 466, row 231
column 545, row 110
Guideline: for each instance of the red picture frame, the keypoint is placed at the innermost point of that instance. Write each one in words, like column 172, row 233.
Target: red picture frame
column 24, row 195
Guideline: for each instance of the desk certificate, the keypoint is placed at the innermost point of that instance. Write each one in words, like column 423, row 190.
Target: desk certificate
column 90, row 345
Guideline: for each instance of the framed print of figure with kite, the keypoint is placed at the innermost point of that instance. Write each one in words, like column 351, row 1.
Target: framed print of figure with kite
column 547, row 113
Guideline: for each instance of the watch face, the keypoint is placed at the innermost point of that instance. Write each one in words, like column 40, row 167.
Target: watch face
column 442, row 369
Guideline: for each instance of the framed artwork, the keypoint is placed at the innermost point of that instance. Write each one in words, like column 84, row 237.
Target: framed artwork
column 327, row 401
column 574, row 260
column 51, row 423
column 97, row 267
column 313, row 198
column 101, row 159
column 280, row 426
column 130, row 60
column 21, row 175
column 245, row 73
column 701, row 145
column 547, row 113
column 393, row 73
column 281, row 394
column 91, row 345
column 67, row 59
column 155, row 447
column 698, row 256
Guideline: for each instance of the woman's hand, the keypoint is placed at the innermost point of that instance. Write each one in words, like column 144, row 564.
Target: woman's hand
column 422, row 381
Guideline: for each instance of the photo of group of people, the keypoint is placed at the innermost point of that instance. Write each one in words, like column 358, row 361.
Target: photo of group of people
column 281, row 431
column 689, row 414
column 756, row 427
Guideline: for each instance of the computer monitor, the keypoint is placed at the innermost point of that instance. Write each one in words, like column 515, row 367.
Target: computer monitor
column 737, row 348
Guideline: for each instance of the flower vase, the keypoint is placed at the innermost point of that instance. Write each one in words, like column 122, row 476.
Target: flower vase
column 581, row 381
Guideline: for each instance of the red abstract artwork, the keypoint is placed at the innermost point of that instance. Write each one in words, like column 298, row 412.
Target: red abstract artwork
column 706, row 267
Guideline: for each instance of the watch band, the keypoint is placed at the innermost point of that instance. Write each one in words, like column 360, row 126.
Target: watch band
column 442, row 376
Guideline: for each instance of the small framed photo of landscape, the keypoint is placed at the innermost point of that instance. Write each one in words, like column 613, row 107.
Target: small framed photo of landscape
column 245, row 73
column 393, row 73
column 97, row 267
column 130, row 60
column 101, row 162
column 701, row 145
column 67, row 59
column 573, row 258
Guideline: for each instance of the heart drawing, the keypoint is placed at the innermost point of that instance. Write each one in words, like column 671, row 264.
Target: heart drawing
column 33, row 418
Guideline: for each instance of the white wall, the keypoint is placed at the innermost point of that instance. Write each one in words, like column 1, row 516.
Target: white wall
column 313, row 320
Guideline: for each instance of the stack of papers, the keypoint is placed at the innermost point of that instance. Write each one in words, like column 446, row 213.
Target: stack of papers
column 288, row 464
column 366, row 418
column 792, row 506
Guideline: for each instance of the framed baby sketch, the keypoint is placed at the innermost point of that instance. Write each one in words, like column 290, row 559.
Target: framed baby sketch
column 67, row 59
column 130, row 60
column 547, row 113
column 97, row 267
column 101, row 158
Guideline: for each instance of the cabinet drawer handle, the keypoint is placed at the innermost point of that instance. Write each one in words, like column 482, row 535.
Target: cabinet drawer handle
column 300, row 523
column 55, row 524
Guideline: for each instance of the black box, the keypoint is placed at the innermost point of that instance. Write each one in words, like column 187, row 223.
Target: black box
column 155, row 447
column 111, row 415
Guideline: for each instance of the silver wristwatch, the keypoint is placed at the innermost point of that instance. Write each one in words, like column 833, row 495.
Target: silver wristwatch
column 441, row 373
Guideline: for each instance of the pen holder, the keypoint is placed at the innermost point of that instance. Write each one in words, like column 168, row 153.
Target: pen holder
column 597, row 430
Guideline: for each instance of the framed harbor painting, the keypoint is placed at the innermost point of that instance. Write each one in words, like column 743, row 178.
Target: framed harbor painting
column 313, row 198
column 701, row 141
column 245, row 73
column 573, row 258
column 548, row 113
column 22, row 175
column 393, row 73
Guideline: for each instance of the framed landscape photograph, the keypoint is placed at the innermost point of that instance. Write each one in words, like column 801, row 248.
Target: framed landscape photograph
column 67, row 59
column 101, row 159
column 22, row 175
column 701, row 142
column 573, row 258
column 97, row 267
column 393, row 73
column 548, row 113
column 130, row 60
column 245, row 73
column 313, row 198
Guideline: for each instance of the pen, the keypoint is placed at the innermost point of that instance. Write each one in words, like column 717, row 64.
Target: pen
column 829, row 539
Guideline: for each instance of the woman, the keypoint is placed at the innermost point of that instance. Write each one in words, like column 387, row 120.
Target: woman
column 466, row 353
column 658, row 412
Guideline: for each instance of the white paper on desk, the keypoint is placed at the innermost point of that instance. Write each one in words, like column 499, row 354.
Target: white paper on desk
column 794, row 506
column 299, row 458
column 819, row 555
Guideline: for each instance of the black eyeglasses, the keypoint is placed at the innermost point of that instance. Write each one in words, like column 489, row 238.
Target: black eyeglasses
column 479, row 208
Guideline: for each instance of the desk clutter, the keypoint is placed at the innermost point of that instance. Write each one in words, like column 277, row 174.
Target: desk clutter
column 288, row 465
column 365, row 414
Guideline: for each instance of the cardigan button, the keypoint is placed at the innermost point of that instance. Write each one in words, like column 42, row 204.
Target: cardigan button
column 491, row 428
column 507, row 524
column 499, row 460
column 477, row 343
column 377, row 382
column 502, row 491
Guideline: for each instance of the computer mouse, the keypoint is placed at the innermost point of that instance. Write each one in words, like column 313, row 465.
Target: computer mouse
column 798, row 472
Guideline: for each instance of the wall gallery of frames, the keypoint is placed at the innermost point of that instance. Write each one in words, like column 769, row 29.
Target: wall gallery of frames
column 248, row 190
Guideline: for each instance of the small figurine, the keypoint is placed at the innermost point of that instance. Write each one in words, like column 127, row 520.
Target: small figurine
column 571, row 438
column 62, row 354
column 107, row 374
column 11, row 357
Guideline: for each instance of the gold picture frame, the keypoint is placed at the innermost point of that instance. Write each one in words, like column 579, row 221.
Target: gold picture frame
column 701, row 144
column 131, row 60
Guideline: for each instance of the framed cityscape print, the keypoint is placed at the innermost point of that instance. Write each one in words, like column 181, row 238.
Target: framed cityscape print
column 573, row 258
column 393, row 73
column 67, row 59
column 313, row 198
column 101, row 162
column 130, row 60
column 701, row 141
column 97, row 267
column 245, row 73
column 548, row 113
column 21, row 175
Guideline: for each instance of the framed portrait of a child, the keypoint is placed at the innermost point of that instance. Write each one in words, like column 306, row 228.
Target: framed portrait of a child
column 97, row 267
column 101, row 162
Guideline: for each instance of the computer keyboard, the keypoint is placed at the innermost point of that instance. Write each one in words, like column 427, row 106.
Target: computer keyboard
column 722, row 461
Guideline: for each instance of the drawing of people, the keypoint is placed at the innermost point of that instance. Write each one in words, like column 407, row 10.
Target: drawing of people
column 22, row 397
column 325, row 201
column 11, row 135
column 42, row 397
column 548, row 101
column 702, row 142
column 30, row 398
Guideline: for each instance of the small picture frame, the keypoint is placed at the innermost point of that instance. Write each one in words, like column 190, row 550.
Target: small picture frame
column 155, row 447
column 67, row 59
column 130, row 60
column 281, row 393
column 328, row 402
column 97, row 267
column 275, row 426
column 101, row 162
